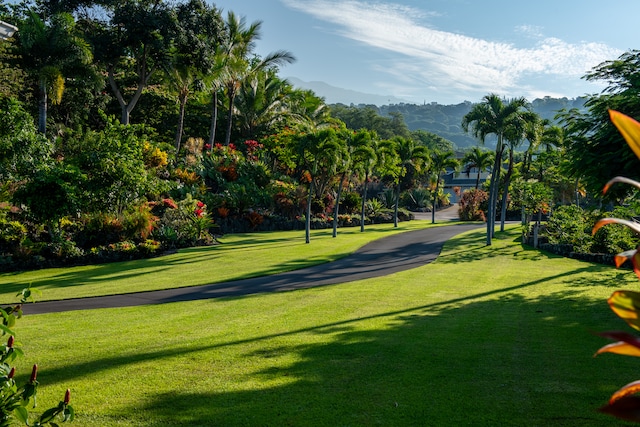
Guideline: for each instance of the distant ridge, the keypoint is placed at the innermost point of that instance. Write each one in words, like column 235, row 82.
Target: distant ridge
column 336, row 95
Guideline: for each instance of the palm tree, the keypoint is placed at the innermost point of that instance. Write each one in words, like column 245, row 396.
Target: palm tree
column 261, row 102
column 355, row 146
column 522, row 126
column 402, row 158
column 198, row 36
column 181, row 78
column 440, row 162
column 239, row 60
column 493, row 116
column 317, row 153
column 47, row 49
column 365, row 160
column 479, row 159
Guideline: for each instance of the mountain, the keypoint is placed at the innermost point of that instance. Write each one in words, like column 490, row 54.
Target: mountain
column 336, row 95
column 443, row 120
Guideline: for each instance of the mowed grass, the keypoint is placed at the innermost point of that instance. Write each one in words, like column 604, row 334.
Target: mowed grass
column 238, row 256
column 484, row 336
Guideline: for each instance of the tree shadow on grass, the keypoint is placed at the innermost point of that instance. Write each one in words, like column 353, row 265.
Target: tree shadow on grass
column 506, row 361
column 493, row 358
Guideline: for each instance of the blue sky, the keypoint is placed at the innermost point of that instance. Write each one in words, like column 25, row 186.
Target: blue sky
column 446, row 51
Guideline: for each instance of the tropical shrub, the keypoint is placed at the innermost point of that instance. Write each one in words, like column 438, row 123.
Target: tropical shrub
column 22, row 148
column 373, row 207
column 473, row 205
column 570, row 225
column 184, row 223
column 350, row 202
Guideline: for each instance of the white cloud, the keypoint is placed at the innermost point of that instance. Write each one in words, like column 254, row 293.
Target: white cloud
column 450, row 61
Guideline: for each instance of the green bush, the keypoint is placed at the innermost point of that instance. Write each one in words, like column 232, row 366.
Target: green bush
column 350, row 202
column 615, row 238
column 570, row 225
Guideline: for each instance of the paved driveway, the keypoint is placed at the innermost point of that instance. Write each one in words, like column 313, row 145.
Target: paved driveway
column 391, row 254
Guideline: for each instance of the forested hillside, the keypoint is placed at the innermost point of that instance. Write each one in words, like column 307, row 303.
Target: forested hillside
column 444, row 120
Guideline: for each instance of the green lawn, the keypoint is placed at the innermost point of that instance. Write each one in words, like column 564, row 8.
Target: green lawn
column 498, row 335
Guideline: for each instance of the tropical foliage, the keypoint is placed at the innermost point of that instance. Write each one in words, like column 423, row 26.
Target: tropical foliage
column 624, row 403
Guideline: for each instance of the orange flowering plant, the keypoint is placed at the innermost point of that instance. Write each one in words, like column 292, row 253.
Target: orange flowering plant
column 624, row 403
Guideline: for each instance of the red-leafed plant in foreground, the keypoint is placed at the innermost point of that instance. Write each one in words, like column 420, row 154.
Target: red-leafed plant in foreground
column 16, row 399
column 625, row 403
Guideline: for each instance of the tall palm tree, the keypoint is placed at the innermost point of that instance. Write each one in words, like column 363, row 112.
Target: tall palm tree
column 197, row 39
column 48, row 48
column 355, row 145
column 181, row 79
column 365, row 159
column 493, row 116
column 240, row 62
column 403, row 158
column 317, row 153
column 521, row 126
column 479, row 159
column 439, row 163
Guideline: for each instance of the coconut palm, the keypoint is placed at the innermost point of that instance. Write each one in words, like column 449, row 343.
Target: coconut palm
column 493, row 116
column 440, row 161
column 479, row 159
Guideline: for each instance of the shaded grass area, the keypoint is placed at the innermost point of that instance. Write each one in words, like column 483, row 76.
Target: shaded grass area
column 497, row 335
column 239, row 256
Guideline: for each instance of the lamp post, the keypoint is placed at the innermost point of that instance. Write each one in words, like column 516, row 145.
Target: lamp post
column 6, row 30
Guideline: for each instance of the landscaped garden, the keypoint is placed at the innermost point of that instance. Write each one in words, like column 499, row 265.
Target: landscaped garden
column 146, row 146
column 507, row 346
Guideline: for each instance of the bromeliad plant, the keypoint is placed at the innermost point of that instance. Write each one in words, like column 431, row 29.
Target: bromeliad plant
column 15, row 400
column 625, row 403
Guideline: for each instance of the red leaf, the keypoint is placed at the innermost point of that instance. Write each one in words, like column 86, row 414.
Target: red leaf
column 626, row 408
column 626, row 304
column 622, row 348
column 627, row 390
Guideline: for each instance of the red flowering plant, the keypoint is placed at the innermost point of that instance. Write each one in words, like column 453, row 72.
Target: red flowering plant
column 185, row 225
column 202, row 220
column 14, row 399
column 624, row 403
column 252, row 147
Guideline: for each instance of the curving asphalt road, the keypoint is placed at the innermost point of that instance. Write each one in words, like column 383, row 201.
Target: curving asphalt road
column 391, row 254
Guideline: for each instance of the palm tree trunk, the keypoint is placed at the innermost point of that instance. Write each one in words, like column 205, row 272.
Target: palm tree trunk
column 395, row 208
column 214, row 120
column 307, row 225
column 433, row 202
column 336, row 209
column 478, row 179
column 232, row 95
column 364, row 201
column 179, row 131
column 493, row 190
column 505, row 190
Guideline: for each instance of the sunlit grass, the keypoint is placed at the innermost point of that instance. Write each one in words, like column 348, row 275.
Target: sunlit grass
column 238, row 256
column 484, row 336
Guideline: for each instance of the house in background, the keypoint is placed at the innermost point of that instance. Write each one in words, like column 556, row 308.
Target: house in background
column 463, row 180
column 6, row 30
